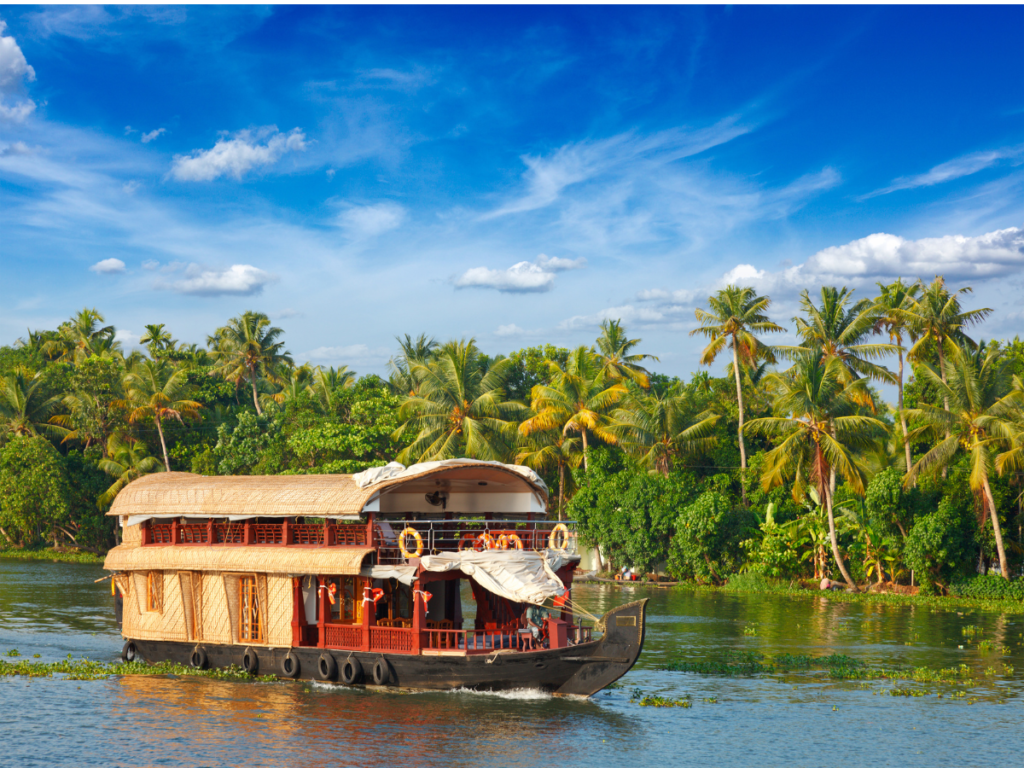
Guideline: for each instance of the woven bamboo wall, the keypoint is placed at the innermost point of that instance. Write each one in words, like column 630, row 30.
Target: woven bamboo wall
column 216, row 625
column 279, row 608
column 230, row 582
column 132, row 534
column 167, row 624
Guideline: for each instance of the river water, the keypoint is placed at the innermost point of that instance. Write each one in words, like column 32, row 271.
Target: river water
column 795, row 719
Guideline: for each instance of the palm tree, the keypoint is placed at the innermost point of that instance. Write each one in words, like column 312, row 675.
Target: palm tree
column 579, row 399
column 619, row 361
column 460, row 407
column 128, row 460
column 979, row 422
column 838, row 330
column 300, row 380
column 938, row 319
column 24, row 409
column 733, row 319
column 660, row 428
column 891, row 310
column 80, row 337
column 819, row 426
column 157, row 339
column 418, row 351
column 156, row 390
column 248, row 347
column 328, row 381
column 551, row 449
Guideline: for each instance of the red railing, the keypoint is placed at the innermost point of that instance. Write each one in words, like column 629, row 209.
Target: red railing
column 343, row 636
column 267, row 533
column 388, row 639
column 194, row 533
column 160, row 533
column 348, row 535
column 471, row 641
column 228, row 533
column 307, row 534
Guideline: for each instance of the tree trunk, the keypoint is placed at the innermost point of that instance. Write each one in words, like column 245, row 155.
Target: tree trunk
column 561, row 488
column 945, row 398
column 255, row 398
column 835, row 542
column 739, row 402
column 586, row 467
column 163, row 444
column 903, row 418
column 1004, row 569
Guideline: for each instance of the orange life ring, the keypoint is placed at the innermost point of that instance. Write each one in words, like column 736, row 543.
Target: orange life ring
column 513, row 540
column 377, row 594
column 486, row 540
column 553, row 539
column 410, row 531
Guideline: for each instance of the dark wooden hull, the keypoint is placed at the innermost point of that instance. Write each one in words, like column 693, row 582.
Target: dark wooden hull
column 579, row 670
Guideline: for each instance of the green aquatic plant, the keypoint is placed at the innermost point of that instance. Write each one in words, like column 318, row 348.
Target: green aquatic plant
column 645, row 700
column 88, row 669
column 12, row 653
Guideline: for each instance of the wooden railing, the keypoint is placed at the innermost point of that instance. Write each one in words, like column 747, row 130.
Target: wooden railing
column 471, row 641
column 264, row 533
column 248, row 532
column 194, row 533
column 348, row 636
column 391, row 639
column 228, row 533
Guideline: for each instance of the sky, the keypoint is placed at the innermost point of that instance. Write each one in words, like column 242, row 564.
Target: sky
column 513, row 174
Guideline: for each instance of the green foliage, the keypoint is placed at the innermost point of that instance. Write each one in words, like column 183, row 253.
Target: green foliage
column 254, row 446
column 988, row 587
column 941, row 546
column 707, row 536
column 35, row 495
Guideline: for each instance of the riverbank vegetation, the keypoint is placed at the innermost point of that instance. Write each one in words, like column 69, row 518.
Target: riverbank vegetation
column 790, row 466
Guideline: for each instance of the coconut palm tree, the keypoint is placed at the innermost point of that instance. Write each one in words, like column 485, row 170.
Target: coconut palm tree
column 839, row 330
column 979, row 421
column 459, row 408
column 938, row 319
column 658, row 429
column 892, row 317
column 80, row 337
column 618, row 360
column 327, row 381
column 24, row 408
column 548, row 450
column 248, row 347
column 157, row 339
column 579, row 399
column 734, row 318
column 156, row 390
column 418, row 351
column 299, row 380
column 818, row 427
column 128, row 459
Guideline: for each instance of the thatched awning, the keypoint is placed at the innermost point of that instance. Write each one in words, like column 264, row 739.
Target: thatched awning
column 184, row 494
column 285, row 561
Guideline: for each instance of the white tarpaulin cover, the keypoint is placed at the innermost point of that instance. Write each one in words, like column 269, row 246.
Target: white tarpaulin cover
column 404, row 573
column 375, row 475
column 517, row 575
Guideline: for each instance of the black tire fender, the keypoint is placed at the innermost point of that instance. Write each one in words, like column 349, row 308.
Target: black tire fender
column 250, row 661
column 129, row 652
column 326, row 667
column 199, row 659
column 351, row 671
column 290, row 665
column 381, row 671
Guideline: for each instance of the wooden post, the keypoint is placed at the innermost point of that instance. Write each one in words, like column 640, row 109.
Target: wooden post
column 298, row 611
column 209, row 531
column 369, row 614
column 369, row 530
column 418, row 617
column 247, row 533
column 327, row 532
column 175, row 532
column 286, row 535
column 322, row 623
column 147, row 532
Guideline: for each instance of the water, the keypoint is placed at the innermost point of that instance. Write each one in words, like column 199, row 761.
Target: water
column 799, row 719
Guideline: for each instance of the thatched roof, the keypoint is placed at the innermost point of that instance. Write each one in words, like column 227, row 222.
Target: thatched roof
column 338, row 561
column 189, row 495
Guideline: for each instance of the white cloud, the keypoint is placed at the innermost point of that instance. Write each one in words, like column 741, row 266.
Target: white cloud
column 15, row 148
column 150, row 264
column 394, row 78
column 127, row 338
column 627, row 313
column 362, row 221
column 680, row 296
column 108, row 266
column 237, row 156
column 131, row 187
column 148, row 137
column 509, row 330
column 954, row 169
column 525, row 277
column 15, row 71
column 238, row 280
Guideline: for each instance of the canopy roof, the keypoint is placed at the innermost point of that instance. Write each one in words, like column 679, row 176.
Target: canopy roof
column 285, row 561
column 184, row 494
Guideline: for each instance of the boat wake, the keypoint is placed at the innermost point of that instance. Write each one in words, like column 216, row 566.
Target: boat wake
column 514, row 694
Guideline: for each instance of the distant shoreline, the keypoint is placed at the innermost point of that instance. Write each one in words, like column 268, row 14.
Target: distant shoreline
column 62, row 555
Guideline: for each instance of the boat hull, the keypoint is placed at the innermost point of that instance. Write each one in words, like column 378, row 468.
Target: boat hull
column 579, row 670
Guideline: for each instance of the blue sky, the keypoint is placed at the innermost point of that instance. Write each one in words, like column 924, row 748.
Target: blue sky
column 515, row 174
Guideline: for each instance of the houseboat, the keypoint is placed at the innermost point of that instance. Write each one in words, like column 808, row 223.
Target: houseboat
column 438, row 576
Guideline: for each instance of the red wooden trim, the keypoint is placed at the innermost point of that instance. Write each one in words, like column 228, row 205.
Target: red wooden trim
column 322, row 623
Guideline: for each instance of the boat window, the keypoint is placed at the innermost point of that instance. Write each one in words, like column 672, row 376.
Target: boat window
column 348, row 600
column 399, row 601
column 155, row 591
column 250, row 628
